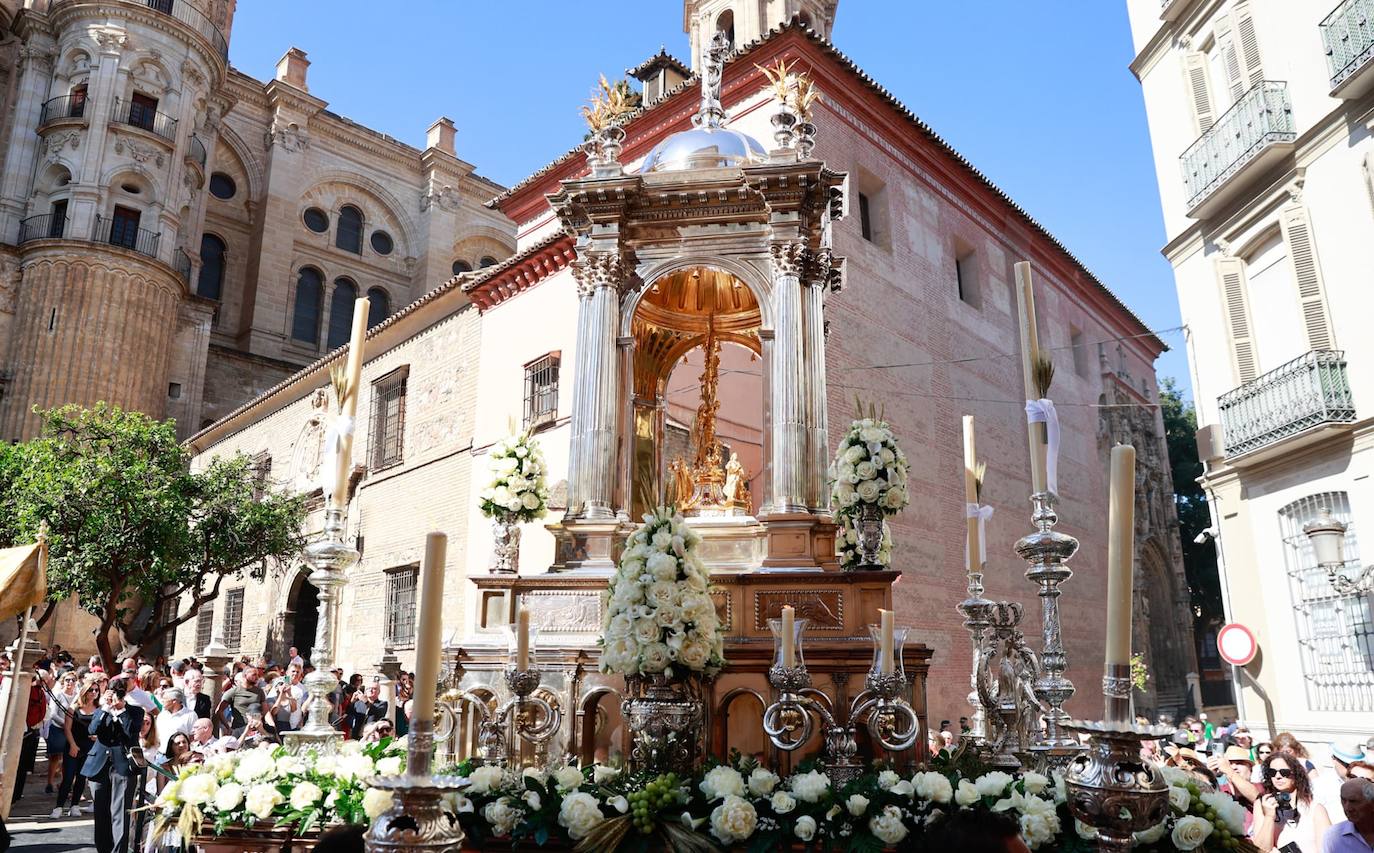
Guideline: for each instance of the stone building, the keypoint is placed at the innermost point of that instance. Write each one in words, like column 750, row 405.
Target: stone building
column 1260, row 112
column 175, row 235
column 919, row 315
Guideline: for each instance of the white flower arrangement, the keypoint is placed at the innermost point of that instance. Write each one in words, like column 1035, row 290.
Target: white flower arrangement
column 869, row 468
column 660, row 617
column 517, row 488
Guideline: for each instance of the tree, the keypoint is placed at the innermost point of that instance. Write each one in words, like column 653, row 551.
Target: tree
column 140, row 539
column 1199, row 560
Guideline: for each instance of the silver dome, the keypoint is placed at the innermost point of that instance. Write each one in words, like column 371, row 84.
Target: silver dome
column 704, row 148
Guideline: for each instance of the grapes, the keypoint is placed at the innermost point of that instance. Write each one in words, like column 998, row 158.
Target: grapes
column 657, row 794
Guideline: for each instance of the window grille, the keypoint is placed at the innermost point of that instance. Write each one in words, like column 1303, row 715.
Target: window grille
column 388, row 419
column 541, row 391
column 1335, row 633
column 233, row 618
column 205, row 621
column 400, row 605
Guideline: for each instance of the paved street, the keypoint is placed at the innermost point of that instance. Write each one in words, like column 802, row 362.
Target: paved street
column 34, row 831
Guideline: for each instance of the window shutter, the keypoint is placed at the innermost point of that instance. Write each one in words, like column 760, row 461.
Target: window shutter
column 1226, row 46
column 1195, row 66
column 1231, row 275
column 1247, row 43
column 1297, row 231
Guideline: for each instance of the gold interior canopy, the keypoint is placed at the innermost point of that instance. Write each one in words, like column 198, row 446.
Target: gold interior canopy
column 674, row 316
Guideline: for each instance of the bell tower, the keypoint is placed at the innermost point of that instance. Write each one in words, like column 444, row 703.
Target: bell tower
column 746, row 20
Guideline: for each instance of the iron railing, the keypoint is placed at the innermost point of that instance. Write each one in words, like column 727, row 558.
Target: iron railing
column 187, row 14
column 144, row 117
column 43, row 226
column 181, row 262
column 1310, row 390
column 63, row 106
column 195, row 149
column 1348, row 35
column 1263, row 116
column 123, row 232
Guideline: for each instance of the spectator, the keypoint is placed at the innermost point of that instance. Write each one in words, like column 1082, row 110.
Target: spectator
column 1343, row 754
column 377, row 731
column 76, row 726
column 60, row 703
column 114, row 727
column 204, row 742
column 1362, row 770
column 1286, row 813
column 1288, row 742
column 195, row 699
column 1236, row 769
column 255, row 733
column 288, row 697
column 238, row 699
column 293, row 657
column 1355, row 834
column 175, row 717
column 367, row 707
column 34, row 717
column 974, row 832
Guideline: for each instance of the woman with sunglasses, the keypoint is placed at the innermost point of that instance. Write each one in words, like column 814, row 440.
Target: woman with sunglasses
column 60, row 702
column 77, row 728
column 1286, row 818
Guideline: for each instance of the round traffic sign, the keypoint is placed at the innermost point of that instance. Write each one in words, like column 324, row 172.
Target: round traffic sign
column 1236, row 644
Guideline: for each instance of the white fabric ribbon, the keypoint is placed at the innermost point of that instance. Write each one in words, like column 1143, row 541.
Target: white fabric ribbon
column 340, row 429
column 982, row 513
column 1042, row 411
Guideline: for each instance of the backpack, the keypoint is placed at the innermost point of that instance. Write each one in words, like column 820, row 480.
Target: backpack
column 38, row 706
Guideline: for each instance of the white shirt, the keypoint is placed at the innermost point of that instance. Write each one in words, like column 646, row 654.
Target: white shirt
column 142, row 698
column 168, row 724
column 298, row 691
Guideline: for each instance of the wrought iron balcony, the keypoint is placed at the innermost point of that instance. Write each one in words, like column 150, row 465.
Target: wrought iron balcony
column 1256, row 129
column 195, row 150
column 193, row 18
column 43, row 226
column 1348, row 35
column 65, row 106
column 1307, row 392
column 181, row 262
column 144, row 117
column 123, row 232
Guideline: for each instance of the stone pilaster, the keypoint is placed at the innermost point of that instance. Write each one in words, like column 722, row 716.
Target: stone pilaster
column 788, row 403
column 813, row 370
column 35, row 78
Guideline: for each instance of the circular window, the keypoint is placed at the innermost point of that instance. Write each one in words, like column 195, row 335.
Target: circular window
column 461, row 267
column 316, row 220
column 381, row 242
column 222, row 186
column 488, row 261
column 131, row 189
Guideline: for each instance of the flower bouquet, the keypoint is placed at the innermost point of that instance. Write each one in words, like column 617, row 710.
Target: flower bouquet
column 517, row 493
column 868, row 484
column 1200, row 818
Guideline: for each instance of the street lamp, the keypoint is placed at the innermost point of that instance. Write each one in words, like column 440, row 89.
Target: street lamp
column 1327, row 535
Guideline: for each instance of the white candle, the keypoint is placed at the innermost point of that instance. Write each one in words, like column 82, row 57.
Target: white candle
column 789, row 652
column 430, row 640
column 1120, row 554
column 522, row 641
column 885, row 662
column 1030, row 355
column 975, row 553
column 353, row 370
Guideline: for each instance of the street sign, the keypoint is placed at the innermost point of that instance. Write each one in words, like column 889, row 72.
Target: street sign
column 1236, row 644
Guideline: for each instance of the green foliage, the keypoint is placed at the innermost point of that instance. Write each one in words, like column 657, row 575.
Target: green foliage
column 1199, row 561
column 1140, row 672
column 132, row 530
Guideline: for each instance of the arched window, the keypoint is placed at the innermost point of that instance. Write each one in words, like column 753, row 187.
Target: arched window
column 487, row 261
column 211, row 280
column 461, row 266
column 726, row 24
column 348, row 234
column 305, row 322
column 379, row 305
column 341, row 313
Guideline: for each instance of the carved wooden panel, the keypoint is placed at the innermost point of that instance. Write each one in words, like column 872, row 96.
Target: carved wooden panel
column 823, row 609
column 724, row 608
column 564, row 611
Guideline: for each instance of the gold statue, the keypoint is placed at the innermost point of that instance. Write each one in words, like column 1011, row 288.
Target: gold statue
column 679, row 487
column 736, row 484
column 707, row 476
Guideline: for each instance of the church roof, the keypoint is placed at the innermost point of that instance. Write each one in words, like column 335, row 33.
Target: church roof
column 662, row 59
column 829, row 50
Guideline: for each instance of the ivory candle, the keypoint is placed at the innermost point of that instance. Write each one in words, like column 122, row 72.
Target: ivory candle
column 1120, row 554
column 353, row 370
column 1030, row 355
column 885, row 662
column 430, row 632
column 522, row 640
column 789, row 651
column 975, row 552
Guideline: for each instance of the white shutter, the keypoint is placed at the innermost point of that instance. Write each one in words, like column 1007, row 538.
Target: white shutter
column 1236, row 303
column 1302, row 249
column 1247, row 43
column 1195, row 69
column 1226, row 48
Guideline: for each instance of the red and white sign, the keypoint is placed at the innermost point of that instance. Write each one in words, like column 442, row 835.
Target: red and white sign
column 1236, row 644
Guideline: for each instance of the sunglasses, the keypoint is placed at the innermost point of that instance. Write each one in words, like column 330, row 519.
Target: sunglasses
column 1282, row 773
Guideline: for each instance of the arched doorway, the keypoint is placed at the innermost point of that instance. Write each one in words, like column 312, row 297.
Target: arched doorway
column 304, row 615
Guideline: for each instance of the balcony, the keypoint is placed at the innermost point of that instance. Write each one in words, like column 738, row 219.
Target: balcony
column 182, row 264
column 1256, row 132
column 41, row 227
column 66, row 106
column 187, row 14
column 195, row 151
column 1172, row 10
column 1309, row 396
column 1348, row 36
column 144, row 117
column 124, row 233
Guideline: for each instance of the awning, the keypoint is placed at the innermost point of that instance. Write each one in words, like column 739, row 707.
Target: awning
column 23, row 581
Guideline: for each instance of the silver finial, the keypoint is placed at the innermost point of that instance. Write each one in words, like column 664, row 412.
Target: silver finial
column 711, row 115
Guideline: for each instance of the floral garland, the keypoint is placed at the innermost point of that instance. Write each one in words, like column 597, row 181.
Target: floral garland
column 269, row 785
column 869, row 469
column 660, row 614
column 1199, row 819
column 847, row 544
column 517, row 489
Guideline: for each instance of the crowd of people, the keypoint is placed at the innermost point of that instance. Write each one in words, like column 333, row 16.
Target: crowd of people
column 114, row 738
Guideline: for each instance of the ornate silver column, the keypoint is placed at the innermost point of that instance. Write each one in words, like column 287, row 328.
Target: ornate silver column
column 592, row 474
column 813, row 353
column 789, row 456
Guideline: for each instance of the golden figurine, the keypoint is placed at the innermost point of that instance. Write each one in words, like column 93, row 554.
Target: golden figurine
column 679, row 486
column 736, row 484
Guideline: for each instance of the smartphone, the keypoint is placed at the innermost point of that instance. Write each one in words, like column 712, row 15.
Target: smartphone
column 1218, row 748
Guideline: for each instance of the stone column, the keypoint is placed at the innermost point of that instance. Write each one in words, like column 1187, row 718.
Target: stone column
column 624, row 497
column 786, row 388
column 600, row 378
column 813, row 372
column 35, row 80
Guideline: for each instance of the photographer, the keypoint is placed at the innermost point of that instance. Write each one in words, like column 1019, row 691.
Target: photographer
column 1286, row 818
column 115, row 729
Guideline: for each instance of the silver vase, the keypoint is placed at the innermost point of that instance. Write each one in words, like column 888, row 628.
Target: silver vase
column 505, row 553
column 870, row 530
column 666, row 717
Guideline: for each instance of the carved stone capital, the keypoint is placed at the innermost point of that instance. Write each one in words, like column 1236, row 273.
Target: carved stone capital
column 40, row 57
column 598, row 269
column 787, row 258
column 112, row 41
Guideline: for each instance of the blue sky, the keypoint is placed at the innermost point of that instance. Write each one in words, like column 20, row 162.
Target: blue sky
column 1037, row 95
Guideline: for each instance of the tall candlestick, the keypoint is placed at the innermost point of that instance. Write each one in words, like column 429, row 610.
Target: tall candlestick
column 353, row 372
column 1120, row 554
column 522, row 641
column 430, row 640
column 789, row 652
column 974, row 545
column 1030, row 356
column 885, row 661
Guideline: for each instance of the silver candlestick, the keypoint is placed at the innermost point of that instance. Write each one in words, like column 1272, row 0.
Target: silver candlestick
column 1111, row 788
column 522, row 717
column 1047, row 551
column 416, row 819
column 329, row 558
column 977, row 612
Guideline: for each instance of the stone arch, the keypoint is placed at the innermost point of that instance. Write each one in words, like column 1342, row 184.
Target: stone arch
column 1163, row 640
column 358, row 189
column 149, row 74
column 252, row 169
column 472, row 249
column 588, row 708
column 74, row 66
column 746, row 273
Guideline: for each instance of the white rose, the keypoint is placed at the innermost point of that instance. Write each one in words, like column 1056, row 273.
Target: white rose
column 261, row 800
column 1038, row 829
column 854, row 454
column 1190, row 832
column 762, row 782
column 782, row 802
column 290, row 765
column 933, row 786
column 579, row 814
column 304, row 795
column 568, row 778
column 805, row 827
column 485, row 778
column 868, row 491
column 662, row 566
column 253, row 764
column 870, row 434
column 1175, row 777
column 228, row 797
column 1061, row 790
column 662, row 539
column 1180, row 799
column 529, row 500
column 654, row 657
column 887, row 778
column 536, row 774
column 866, row 470
column 198, row 789
column 1034, row 782
column 733, row 820
column 722, row 781
column 844, row 491
column 993, row 784
column 533, row 800
column 967, row 793
column 355, row 767
column 887, row 825
column 376, row 802
column 389, row 766
column 857, row 804
column 903, row 788
column 1085, row 832
column 501, row 816
column 601, row 774
column 1151, row 835
column 809, row 787
column 895, row 498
